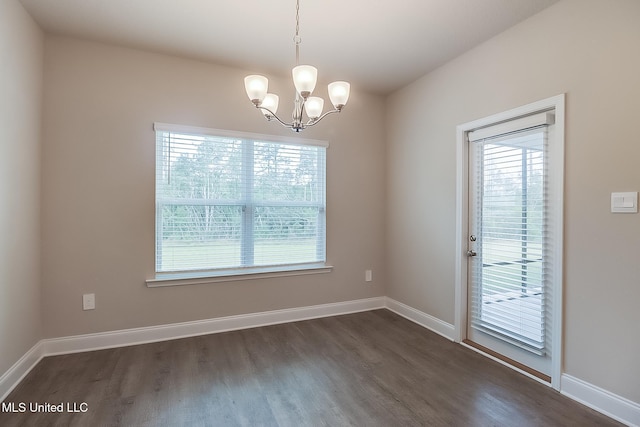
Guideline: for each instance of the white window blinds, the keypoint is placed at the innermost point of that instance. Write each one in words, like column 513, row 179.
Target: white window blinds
column 510, row 277
column 230, row 201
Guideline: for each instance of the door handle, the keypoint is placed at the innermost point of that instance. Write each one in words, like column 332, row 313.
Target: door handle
column 471, row 253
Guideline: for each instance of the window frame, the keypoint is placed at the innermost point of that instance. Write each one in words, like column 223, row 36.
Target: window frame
column 241, row 272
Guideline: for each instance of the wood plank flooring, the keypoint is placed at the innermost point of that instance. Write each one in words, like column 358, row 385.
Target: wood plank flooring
column 366, row 369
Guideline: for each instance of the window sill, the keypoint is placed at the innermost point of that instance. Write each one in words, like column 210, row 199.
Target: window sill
column 180, row 279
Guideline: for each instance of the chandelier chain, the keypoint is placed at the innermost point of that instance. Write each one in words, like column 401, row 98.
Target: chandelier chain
column 297, row 20
column 297, row 38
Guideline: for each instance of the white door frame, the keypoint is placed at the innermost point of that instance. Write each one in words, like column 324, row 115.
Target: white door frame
column 462, row 219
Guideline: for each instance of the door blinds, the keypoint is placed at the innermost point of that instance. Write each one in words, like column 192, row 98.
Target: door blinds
column 510, row 276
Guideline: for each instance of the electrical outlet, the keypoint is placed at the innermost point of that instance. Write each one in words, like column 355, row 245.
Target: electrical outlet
column 88, row 301
column 368, row 276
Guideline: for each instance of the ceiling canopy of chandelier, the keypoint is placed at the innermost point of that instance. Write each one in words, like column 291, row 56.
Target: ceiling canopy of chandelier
column 304, row 79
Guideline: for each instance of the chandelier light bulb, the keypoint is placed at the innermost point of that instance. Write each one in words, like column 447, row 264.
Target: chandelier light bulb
column 313, row 105
column 339, row 94
column 270, row 101
column 304, row 79
column 256, row 87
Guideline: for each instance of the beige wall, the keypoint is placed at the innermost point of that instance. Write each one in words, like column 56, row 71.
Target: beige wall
column 100, row 104
column 590, row 50
column 21, row 48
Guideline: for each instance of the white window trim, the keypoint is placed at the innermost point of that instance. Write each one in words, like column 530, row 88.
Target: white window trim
column 236, row 274
column 238, row 134
column 164, row 279
column 556, row 103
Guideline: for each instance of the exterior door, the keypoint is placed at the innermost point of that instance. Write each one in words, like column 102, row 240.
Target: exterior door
column 509, row 286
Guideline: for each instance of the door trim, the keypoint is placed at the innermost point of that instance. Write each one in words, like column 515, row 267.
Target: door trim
column 462, row 225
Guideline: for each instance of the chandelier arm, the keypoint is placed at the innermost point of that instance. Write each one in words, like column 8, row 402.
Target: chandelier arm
column 313, row 122
column 285, row 124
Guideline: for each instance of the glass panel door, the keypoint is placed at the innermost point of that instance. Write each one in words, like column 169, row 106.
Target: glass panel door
column 507, row 287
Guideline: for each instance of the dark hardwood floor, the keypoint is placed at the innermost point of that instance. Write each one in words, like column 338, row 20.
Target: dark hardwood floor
column 366, row 369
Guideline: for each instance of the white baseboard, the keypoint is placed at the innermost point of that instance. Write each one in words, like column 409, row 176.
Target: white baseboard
column 126, row 337
column 612, row 405
column 20, row 369
column 434, row 324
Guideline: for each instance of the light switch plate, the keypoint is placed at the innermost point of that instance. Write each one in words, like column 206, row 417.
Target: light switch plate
column 89, row 301
column 624, row 202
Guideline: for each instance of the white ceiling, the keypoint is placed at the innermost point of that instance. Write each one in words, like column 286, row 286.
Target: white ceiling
column 378, row 46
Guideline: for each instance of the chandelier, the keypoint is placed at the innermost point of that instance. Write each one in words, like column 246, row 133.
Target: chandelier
column 304, row 79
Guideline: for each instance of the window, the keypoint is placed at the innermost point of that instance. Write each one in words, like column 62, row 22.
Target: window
column 237, row 203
